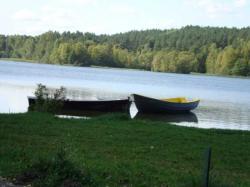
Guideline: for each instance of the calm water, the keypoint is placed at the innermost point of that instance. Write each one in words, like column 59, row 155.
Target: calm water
column 225, row 102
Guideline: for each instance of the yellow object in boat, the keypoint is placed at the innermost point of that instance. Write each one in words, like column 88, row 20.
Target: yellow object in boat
column 176, row 100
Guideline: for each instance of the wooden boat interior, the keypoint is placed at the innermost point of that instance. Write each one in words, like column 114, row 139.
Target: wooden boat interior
column 178, row 100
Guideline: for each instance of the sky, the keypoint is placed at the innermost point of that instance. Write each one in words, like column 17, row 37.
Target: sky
column 34, row 17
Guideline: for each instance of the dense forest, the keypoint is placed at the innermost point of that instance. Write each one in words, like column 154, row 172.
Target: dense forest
column 212, row 50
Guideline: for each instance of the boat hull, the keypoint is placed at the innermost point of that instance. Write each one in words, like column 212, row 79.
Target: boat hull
column 151, row 105
column 82, row 106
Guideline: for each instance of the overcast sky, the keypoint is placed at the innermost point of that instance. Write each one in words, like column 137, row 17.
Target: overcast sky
column 34, row 17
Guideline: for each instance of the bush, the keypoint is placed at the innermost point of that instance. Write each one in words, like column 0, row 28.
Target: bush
column 47, row 100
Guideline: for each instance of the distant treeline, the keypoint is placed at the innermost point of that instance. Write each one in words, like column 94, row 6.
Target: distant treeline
column 211, row 50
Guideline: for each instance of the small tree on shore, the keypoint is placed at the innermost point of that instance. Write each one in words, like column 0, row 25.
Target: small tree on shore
column 50, row 101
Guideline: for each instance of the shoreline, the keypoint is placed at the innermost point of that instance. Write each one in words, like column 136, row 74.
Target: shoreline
column 127, row 69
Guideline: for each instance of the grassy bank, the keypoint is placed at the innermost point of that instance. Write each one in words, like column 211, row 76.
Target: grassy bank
column 18, row 60
column 218, row 75
column 116, row 151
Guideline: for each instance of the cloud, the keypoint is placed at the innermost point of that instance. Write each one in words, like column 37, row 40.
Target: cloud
column 80, row 2
column 60, row 15
column 44, row 19
column 24, row 15
column 121, row 8
column 55, row 15
column 216, row 8
column 111, row 16
column 240, row 3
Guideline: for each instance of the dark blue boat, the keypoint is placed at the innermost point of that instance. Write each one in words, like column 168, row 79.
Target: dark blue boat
column 171, row 105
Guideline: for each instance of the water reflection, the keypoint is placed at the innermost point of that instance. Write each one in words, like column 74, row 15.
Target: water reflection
column 13, row 98
column 172, row 118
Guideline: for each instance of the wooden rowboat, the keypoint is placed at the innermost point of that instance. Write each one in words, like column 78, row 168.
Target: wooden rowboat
column 172, row 105
column 80, row 106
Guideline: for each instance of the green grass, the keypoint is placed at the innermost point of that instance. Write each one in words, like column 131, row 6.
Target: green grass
column 117, row 151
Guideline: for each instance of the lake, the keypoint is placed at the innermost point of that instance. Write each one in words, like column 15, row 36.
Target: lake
column 224, row 101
